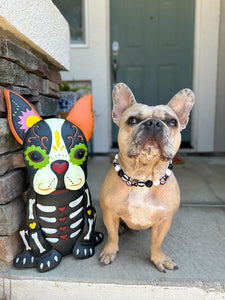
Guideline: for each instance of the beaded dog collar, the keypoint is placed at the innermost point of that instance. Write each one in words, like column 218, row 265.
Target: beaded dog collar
column 135, row 182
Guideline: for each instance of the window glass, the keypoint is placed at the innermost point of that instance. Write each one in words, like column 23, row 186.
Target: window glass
column 72, row 10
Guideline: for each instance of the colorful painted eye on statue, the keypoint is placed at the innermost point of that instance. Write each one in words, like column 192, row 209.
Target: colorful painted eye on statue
column 36, row 156
column 78, row 154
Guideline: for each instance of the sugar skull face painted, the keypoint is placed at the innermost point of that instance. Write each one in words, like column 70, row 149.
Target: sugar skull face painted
column 55, row 150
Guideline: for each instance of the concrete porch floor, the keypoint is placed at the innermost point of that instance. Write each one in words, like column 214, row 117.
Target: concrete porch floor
column 196, row 241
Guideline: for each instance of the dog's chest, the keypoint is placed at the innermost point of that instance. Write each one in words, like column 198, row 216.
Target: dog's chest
column 143, row 209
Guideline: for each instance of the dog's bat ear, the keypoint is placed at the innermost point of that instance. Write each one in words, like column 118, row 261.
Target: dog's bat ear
column 82, row 115
column 182, row 104
column 21, row 115
column 122, row 99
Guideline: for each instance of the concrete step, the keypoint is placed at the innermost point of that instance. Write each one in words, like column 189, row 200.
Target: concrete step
column 196, row 242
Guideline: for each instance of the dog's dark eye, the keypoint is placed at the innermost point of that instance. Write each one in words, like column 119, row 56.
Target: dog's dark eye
column 173, row 123
column 79, row 153
column 132, row 121
column 36, row 156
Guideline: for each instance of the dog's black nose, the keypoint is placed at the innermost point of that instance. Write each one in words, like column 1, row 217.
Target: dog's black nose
column 153, row 124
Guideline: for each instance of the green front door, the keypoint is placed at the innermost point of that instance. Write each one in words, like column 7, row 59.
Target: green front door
column 152, row 49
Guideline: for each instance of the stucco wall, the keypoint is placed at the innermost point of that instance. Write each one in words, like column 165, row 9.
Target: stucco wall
column 220, row 100
column 91, row 62
column 39, row 24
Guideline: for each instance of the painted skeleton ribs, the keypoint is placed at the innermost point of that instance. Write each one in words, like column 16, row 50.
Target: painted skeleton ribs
column 72, row 231
column 60, row 217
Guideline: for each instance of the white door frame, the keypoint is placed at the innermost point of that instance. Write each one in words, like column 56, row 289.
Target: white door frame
column 207, row 17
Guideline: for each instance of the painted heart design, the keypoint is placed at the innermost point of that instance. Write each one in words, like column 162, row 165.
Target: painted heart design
column 89, row 212
column 63, row 228
column 62, row 219
column 59, row 167
column 63, row 237
column 32, row 225
column 62, row 208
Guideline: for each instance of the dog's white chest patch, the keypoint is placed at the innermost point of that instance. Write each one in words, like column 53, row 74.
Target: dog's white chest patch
column 143, row 209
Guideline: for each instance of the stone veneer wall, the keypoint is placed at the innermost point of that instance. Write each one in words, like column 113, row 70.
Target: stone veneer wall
column 36, row 80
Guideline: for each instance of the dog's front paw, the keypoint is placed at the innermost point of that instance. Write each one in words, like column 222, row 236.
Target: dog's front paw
column 107, row 258
column 49, row 261
column 108, row 255
column 163, row 262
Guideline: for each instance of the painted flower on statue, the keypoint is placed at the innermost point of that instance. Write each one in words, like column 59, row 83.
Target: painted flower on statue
column 27, row 119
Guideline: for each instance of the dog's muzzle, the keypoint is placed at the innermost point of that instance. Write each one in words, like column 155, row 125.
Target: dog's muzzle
column 152, row 127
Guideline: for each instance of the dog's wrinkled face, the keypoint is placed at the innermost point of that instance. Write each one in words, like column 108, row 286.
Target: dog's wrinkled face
column 55, row 150
column 55, row 153
column 150, row 130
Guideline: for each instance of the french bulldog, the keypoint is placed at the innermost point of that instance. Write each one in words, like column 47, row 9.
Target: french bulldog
column 60, row 218
column 141, row 189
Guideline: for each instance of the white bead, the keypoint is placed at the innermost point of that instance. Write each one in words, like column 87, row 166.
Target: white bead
column 168, row 172
column 156, row 183
column 116, row 156
column 117, row 168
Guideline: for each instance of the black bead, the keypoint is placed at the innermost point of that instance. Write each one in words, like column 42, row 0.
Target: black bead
column 120, row 173
column 170, row 167
column 148, row 183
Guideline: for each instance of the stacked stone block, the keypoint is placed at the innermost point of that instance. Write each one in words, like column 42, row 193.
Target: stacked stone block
column 29, row 75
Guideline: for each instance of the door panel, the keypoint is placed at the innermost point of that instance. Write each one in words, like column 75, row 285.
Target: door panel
column 155, row 56
column 135, row 78
column 135, row 26
column 167, row 81
column 167, row 23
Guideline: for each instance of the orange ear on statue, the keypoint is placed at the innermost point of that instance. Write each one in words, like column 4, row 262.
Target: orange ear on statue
column 82, row 115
